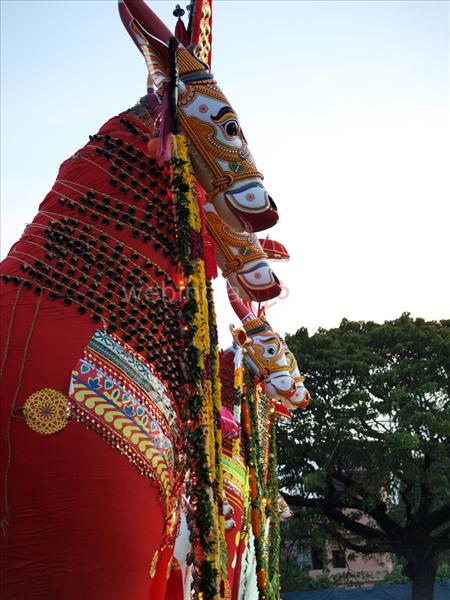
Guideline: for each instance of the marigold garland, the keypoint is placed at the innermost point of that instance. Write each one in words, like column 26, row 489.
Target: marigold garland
column 217, row 397
column 202, row 407
column 201, row 414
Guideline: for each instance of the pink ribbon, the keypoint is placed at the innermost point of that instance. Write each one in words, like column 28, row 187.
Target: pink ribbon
column 164, row 152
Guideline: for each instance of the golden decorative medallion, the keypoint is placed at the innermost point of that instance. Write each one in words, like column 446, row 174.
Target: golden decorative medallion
column 46, row 411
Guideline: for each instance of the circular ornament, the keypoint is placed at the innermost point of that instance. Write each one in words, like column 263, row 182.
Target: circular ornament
column 250, row 196
column 203, row 108
column 46, row 411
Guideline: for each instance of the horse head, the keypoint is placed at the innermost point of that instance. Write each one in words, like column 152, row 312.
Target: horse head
column 284, row 512
column 265, row 352
column 219, row 152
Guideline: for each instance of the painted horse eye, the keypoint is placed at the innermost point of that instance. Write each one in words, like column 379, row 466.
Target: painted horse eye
column 232, row 128
column 271, row 350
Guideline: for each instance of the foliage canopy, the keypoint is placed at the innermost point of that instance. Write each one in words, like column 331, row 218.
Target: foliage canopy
column 371, row 455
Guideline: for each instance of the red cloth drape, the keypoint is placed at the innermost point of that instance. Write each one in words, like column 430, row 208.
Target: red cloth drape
column 79, row 521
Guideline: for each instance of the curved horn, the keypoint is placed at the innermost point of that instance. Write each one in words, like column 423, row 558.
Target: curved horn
column 147, row 19
column 154, row 50
column 243, row 311
column 127, row 18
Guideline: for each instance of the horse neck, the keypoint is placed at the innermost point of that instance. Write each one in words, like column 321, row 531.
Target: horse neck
column 104, row 241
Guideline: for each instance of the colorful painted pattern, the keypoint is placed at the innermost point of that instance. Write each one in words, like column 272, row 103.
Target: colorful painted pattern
column 235, row 477
column 137, row 372
column 101, row 398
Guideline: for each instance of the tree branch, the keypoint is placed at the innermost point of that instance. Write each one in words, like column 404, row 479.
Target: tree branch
column 350, row 545
column 332, row 510
column 369, row 431
column 334, row 514
column 360, row 529
column 299, row 500
column 404, row 496
column 437, row 518
column 363, row 549
column 343, row 478
column 425, row 499
column 386, row 522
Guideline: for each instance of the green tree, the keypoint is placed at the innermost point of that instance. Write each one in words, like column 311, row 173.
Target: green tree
column 370, row 457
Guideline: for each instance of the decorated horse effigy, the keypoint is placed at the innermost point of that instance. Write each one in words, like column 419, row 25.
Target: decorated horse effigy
column 138, row 461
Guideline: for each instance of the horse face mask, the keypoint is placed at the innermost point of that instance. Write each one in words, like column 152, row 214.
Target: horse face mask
column 222, row 161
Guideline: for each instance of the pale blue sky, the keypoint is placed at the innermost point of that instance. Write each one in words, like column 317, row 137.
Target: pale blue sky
column 346, row 109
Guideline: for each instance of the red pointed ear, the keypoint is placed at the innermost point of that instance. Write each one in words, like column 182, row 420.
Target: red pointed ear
column 156, row 55
column 151, row 36
column 155, row 51
column 147, row 19
column 127, row 19
column 239, row 336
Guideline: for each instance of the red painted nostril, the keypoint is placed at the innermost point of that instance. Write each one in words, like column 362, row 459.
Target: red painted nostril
column 289, row 393
column 292, row 391
column 306, row 400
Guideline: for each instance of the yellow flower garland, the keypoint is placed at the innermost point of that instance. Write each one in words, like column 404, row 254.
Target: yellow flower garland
column 211, row 402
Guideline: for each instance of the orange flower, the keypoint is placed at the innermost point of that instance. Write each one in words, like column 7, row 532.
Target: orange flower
column 261, row 579
column 256, row 526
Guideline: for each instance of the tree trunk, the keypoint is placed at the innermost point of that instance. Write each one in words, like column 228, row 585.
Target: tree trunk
column 423, row 575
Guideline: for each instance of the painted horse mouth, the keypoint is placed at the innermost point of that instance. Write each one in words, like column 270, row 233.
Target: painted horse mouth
column 306, row 401
column 260, row 293
column 252, row 219
column 287, row 395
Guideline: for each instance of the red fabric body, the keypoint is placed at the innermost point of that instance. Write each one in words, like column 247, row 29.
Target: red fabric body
column 82, row 521
column 174, row 590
